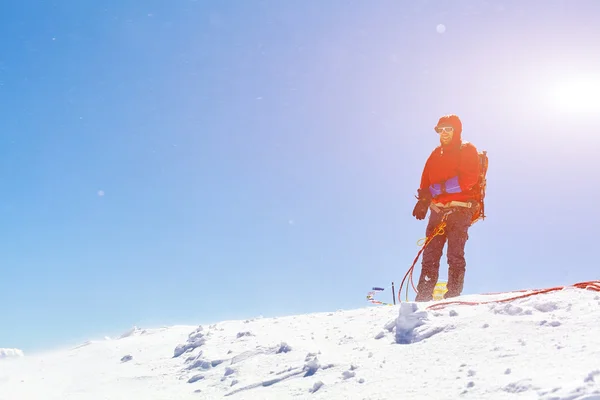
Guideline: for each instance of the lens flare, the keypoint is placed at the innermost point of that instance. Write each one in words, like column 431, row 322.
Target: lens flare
column 579, row 94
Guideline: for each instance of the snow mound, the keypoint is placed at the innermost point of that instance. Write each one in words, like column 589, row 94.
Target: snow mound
column 412, row 325
column 10, row 353
column 541, row 347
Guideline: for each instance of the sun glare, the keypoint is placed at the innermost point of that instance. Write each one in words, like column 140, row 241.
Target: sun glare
column 577, row 94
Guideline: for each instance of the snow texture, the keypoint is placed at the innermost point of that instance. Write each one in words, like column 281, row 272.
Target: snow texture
column 10, row 353
column 542, row 347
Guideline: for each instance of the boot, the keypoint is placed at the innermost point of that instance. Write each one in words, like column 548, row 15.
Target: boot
column 425, row 286
column 456, row 278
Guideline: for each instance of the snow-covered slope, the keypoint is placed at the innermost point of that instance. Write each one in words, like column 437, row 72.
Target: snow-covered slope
column 8, row 353
column 541, row 347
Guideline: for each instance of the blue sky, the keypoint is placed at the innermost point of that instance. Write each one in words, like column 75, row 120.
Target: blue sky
column 196, row 161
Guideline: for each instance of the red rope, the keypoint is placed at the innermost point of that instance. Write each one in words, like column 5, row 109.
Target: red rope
column 439, row 230
column 590, row 285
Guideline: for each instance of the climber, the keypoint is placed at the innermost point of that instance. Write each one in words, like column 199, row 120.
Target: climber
column 449, row 188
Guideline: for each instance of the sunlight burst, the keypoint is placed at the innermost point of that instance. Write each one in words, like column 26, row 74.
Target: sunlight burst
column 578, row 94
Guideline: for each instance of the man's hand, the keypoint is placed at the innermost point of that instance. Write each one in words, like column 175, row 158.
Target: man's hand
column 420, row 210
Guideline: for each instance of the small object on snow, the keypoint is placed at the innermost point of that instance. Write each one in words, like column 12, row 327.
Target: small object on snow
column 348, row 374
column 242, row 334
column 590, row 376
column 361, row 380
column 311, row 367
column 316, row 386
column 371, row 297
column 440, row 290
column 284, row 348
column 551, row 323
column 195, row 378
column 126, row 358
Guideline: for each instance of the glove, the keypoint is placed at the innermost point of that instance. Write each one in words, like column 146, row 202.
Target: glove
column 449, row 186
column 420, row 210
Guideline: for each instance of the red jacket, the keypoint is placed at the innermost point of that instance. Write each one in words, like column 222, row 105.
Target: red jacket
column 449, row 161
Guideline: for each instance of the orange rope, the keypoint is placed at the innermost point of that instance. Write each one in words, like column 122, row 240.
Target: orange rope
column 590, row 285
column 439, row 230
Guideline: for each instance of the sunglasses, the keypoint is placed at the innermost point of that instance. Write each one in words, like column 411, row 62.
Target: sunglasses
column 447, row 129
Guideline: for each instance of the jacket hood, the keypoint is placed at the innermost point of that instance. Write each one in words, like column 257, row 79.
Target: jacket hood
column 454, row 121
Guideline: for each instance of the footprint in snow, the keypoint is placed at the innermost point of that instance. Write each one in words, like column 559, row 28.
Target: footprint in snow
column 551, row 323
column 546, row 306
column 519, row 386
column 591, row 375
column 195, row 378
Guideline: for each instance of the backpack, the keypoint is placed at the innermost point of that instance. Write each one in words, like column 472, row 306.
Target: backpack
column 480, row 187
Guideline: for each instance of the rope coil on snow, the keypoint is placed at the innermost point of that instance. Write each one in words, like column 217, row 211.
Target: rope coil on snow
column 589, row 285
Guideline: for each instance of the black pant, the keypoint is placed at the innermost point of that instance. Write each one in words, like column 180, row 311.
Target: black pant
column 456, row 235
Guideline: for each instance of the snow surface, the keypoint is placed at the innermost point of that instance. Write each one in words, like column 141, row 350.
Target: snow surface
column 541, row 347
column 6, row 353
